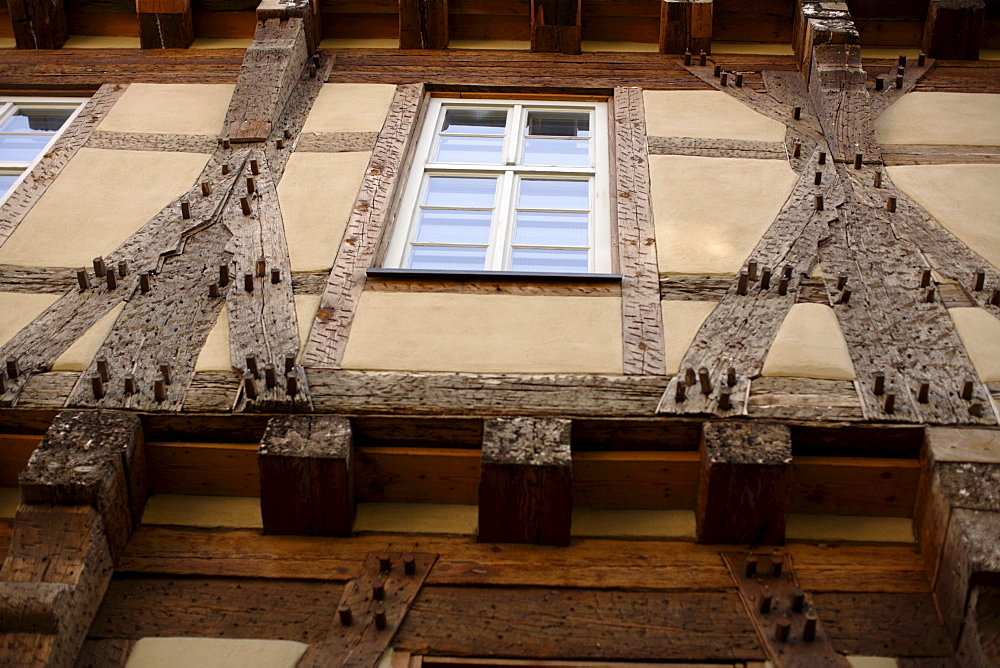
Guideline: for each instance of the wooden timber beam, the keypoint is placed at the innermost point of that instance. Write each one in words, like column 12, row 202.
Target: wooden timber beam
column 38, row 24
column 307, row 476
column 165, row 24
column 817, row 23
column 685, row 25
column 745, row 486
column 556, row 26
column 953, row 29
column 525, row 481
column 423, row 24
column 283, row 10
column 958, row 521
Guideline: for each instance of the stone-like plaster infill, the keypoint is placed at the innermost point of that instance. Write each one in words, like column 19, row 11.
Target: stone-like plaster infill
column 177, row 109
column 709, row 114
column 350, row 108
column 941, row 118
column 809, row 344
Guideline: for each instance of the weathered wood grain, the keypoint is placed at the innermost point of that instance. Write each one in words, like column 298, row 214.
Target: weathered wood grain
column 487, row 285
column 34, row 280
column 686, row 25
column 932, row 154
column 38, row 24
column 953, row 29
column 677, row 287
column 423, row 24
column 883, row 625
column 555, row 26
column 165, row 25
column 143, row 141
column 369, row 218
column 842, row 103
column 212, row 392
column 717, row 148
column 20, row 201
column 642, row 330
column 804, row 399
column 336, row 142
column 49, row 390
column 104, row 653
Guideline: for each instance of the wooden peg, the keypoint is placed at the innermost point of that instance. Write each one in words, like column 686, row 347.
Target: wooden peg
column 777, row 565
column 724, row 404
column 185, row 210
column 705, row 380
column 291, row 384
column 797, row 113
column 312, row 71
column 102, row 368
column 899, row 80
column 225, row 143
column 287, row 133
column 206, row 188
column 245, row 205
column 384, row 562
column 248, row 282
column 878, row 178
column 260, row 267
column 249, row 386
column 165, row 372
column 344, row 614
column 921, row 59
column 889, row 405
column 976, row 409
column 702, row 58
column 129, row 383
column 752, row 270
column 731, row 377
column 289, row 362
column 798, row 600
column 788, row 270
column 979, row 280
column 925, row 278
column 223, row 274
column 99, row 267
column 968, row 387
column 251, row 185
column 841, row 281
column 718, row 70
column 3, row 383
column 783, row 286
column 270, row 377
column 112, row 279
column 751, row 566
column 279, row 144
column 97, row 385
column 680, row 390
column 995, row 299
column 409, row 564
column 890, row 204
column 923, row 392
column 929, row 295
column 781, row 630
column 122, row 269
column 82, row 278
column 739, row 80
column 809, row 627
column 879, row 83
column 859, row 160
column 687, row 57
column 380, row 621
column 902, row 60
column 252, row 366
column 144, row 286
column 845, row 296
column 213, row 290
column 822, row 158
column 765, row 278
column 275, row 275
column 724, row 79
column 796, row 149
column 879, row 387
column 254, row 167
column 159, row 388
column 316, row 58
column 765, row 604
column 741, row 286
column 225, row 168
column 818, row 179
column 690, row 377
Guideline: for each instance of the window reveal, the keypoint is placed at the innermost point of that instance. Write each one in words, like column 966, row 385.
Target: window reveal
column 27, row 128
column 507, row 186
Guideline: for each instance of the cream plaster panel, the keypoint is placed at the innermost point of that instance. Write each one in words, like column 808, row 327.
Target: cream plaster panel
column 706, row 113
column 101, row 42
column 872, row 661
column 215, row 355
column 711, row 212
column 436, row 518
column 317, row 194
column 83, row 351
column 885, row 53
column 8, row 43
column 849, row 528
column 989, row 54
column 485, row 333
column 963, row 198
column 221, row 43
column 215, row 652
column 10, row 499
column 19, row 309
column 235, row 512
column 305, row 313
column 753, row 48
column 941, row 118
column 809, row 344
column 101, row 199
column 628, row 47
column 601, row 522
column 980, row 334
column 490, row 44
column 359, row 44
column 350, row 108
column 180, row 109
column 681, row 322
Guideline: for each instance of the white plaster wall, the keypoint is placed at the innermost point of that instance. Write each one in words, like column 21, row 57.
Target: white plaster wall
column 101, row 198
column 941, row 118
column 17, row 310
column 710, row 213
column 681, row 322
column 317, row 194
column 350, row 108
column 485, row 333
column 980, row 334
column 709, row 114
column 809, row 344
column 181, row 109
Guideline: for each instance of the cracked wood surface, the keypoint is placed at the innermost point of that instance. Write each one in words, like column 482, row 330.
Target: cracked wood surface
column 717, row 148
column 146, row 141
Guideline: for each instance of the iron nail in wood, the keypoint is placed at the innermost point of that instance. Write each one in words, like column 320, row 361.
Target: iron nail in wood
column 923, row 392
column 809, row 627
column 225, row 168
column 724, row 79
column 144, row 286
column 845, row 296
column 798, row 600
column 890, row 204
column 751, row 566
column 878, row 178
column 248, row 282
column 741, row 285
column 225, row 143
column 99, row 267
column 97, row 385
column 122, row 269
column 687, row 56
column 316, row 58
column 797, row 113
column 165, row 372
column 690, row 377
column 889, row 405
column 765, row 278
column 409, row 564
column 879, row 83
column 878, row 388
column 976, row 409
column 929, row 295
column 902, row 60
column 995, row 299
column 159, row 388
column 968, row 387
column 287, row 133
column 783, row 286
column 312, row 71
column 289, row 362
column 260, row 267
column 796, row 149
column 752, row 270
column 254, row 167
column 718, row 70
column 249, row 386
column 245, row 205
column 724, row 403
column 818, row 179
column 788, row 270
column 859, row 160
column 777, row 565
column 841, row 281
column 270, row 377
column 378, row 590
column 739, row 80
column 112, row 279
column 185, row 210
column 680, row 391
column 291, row 384
column 899, row 80
column 82, row 278
column 344, row 613
column 251, row 186
column 380, row 621
column 3, row 383
column 921, row 59
column 705, row 380
column 979, row 280
column 129, row 383
column 252, row 366
column 206, row 188
column 102, row 368
column 384, row 562
column 279, row 144
column 275, row 275
column 822, row 158
column 702, row 58
column 731, row 377
column 223, row 274
column 213, row 290
column 781, row 630
column 765, row 604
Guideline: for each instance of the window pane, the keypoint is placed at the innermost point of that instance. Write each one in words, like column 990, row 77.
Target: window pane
column 461, row 192
column 22, row 148
column 479, row 150
column 36, row 120
column 454, row 227
column 475, row 121
column 562, row 152
column 552, row 194
column 546, row 260
column 558, row 123
column 536, row 228
column 447, row 257
column 6, row 181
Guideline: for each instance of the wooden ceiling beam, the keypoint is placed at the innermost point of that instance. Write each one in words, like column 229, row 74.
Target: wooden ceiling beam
column 165, row 24
column 686, row 25
column 423, row 24
column 38, row 24
column 556, row 26
column 954, row 29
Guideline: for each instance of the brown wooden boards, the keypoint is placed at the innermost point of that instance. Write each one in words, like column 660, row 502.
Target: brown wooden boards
column 555, row 26
column 38, row 24
column 953, row 29
column 423, row 24
column 686, row 25
column 165, row 24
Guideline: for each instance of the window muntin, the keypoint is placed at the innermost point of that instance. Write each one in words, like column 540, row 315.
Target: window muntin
column 28, row 127
column 507, row 186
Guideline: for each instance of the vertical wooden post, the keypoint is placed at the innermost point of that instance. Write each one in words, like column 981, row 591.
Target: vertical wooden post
column 816, row 25
column 555, row 26
column 685, row 25
column 307, row 10
column 954, row 29
column 744, row 490
column 165, row 24
column 38, row 24
column 307, row 476
column 423, row 24
column 524, row 488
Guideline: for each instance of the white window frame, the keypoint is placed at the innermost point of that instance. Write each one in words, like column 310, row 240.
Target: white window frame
column 508, row 173
column 8, row 106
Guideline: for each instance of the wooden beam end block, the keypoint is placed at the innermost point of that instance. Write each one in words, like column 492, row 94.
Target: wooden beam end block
column 744, row 489
column 307, row 476
column 686, row 25
column 953, row 29
column 38, row 24
column 970, row 558
column 526, row 480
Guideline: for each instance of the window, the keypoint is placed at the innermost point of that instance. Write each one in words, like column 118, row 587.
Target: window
column 28, row 126
column 519, row 186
